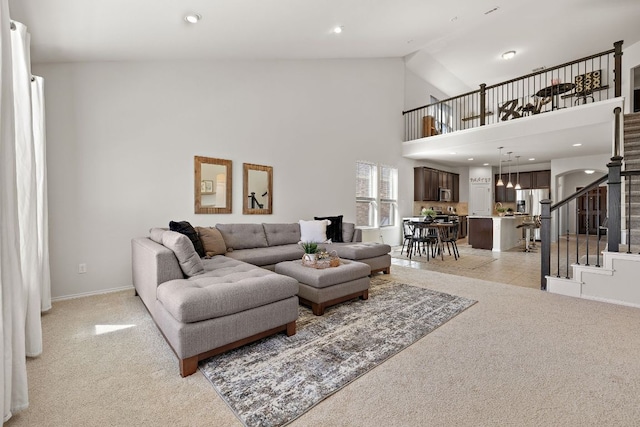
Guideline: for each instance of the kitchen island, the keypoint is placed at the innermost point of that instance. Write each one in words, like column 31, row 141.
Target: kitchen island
column 497, row 233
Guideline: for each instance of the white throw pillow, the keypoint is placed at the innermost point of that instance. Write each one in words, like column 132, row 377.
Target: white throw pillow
column 314, row 231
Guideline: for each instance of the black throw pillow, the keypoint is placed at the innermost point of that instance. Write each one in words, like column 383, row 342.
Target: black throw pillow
column 185, row 228
column 334, row 230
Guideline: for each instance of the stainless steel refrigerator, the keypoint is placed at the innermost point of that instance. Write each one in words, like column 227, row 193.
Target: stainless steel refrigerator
column 528, row 202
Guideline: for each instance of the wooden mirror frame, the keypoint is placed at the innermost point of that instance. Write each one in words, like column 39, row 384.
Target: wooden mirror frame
column 199, row 208
column 246, row 209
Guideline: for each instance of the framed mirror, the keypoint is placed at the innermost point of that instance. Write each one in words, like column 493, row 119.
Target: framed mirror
column 257, row 189
column 212, row 185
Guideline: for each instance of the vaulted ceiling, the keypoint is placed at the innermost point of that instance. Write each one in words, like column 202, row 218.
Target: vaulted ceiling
column 466, row 37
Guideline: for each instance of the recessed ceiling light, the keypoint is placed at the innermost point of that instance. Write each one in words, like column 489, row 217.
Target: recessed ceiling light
column 337, row 30
column 193, row 18
column 589, row 171
column 470, row 158
column 509, row 54
column 533, row 158
column 577, row 145
column 452, row 152
column 485, row 164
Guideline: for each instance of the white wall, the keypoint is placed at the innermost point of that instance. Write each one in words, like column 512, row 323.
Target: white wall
column 418, row 92
column 122, row 137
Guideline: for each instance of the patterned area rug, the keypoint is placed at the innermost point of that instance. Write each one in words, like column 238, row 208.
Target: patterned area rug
column 277, row 379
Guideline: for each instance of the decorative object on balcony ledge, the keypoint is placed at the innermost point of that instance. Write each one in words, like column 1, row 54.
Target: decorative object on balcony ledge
column 500, row 183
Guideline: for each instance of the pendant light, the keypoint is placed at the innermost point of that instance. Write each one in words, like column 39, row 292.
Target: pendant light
column 518, row 173
column 500, row 183
column 509, row 184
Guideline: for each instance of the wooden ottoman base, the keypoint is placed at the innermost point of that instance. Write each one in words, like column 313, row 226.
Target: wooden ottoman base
column 318, row 307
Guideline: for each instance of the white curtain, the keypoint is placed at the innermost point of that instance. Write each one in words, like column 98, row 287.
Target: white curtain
column 24, row 257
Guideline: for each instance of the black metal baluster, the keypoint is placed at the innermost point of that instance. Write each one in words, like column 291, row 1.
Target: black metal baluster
column 588, row 198
column 627, row 181
column 558, row 241
column 567, row 240
column 577, row 230
column 598, row 225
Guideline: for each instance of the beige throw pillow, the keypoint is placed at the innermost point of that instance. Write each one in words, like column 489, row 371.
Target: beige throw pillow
column 212, row 241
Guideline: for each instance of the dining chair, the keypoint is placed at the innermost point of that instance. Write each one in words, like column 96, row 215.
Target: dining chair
column 424, row 239
column 449, row 236
column 407, row 231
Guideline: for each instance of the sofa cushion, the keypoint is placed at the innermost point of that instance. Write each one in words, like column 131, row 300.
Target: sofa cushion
column 189, row 261
column 227, row 287
column 358, row 251
column 334, row 228
column 243, row 236
column 212, row 241
column 282, row 234
column 185, row 228
column 155, row 234
column 314, row 231
column 268, row 256
column 348, row 230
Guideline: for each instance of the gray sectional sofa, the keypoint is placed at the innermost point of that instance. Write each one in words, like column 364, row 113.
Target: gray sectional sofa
column 206, row 306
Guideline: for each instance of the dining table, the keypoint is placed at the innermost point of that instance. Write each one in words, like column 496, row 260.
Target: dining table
column 433, row 232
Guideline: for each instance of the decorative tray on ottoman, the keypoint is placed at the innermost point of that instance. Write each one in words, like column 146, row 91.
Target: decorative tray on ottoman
column 330, row 260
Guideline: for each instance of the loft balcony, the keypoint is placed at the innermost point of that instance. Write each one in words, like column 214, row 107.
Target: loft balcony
column 541, row 111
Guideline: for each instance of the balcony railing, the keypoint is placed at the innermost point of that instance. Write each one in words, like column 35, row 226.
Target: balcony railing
column 590, row 79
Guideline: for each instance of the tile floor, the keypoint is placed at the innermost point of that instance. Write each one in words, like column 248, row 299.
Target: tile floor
column 514, row 267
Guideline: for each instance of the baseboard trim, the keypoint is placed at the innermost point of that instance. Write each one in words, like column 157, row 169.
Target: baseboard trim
column 90, row 294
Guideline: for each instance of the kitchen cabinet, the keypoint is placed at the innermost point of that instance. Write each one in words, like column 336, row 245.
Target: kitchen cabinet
column 427, row 183
column 481, row 233
column 525, row 180
column 462, row 231
column 541, row 179
column 455, row 188
column 502, row 193
column 534, row 179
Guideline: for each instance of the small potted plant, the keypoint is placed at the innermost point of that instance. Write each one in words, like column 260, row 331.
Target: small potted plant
column 428, row 214
column 501, row 210
column 310, row 251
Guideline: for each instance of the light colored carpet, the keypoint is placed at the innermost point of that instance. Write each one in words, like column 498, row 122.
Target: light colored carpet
column 519, row 357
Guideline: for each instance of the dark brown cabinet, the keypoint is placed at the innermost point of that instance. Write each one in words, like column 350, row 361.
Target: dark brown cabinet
column 427, row 183
column 455, row 188
column 481, row 233
column 504, row 194
column 462, row 231
column 541, row 179
column 525, row 180
column 528, row 180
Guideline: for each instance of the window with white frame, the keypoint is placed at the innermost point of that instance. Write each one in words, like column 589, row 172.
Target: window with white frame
column 376, row 195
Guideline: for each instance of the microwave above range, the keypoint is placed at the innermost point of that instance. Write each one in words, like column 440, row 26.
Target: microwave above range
column 445, row 195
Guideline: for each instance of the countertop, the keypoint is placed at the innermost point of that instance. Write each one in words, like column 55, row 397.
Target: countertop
column 496, row 216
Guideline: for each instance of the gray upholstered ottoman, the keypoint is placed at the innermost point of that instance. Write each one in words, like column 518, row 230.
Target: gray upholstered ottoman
column 321, row 288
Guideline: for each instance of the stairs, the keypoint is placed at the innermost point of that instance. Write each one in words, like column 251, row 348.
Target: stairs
column 631, row 152
column 615, row 282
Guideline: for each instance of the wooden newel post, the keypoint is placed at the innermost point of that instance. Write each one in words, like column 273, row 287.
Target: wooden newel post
column 545, row 236
column 482, row 103
column 613, row 208
column 617, row 57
